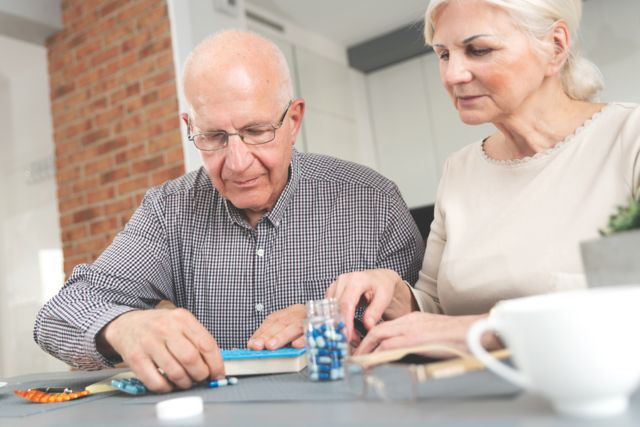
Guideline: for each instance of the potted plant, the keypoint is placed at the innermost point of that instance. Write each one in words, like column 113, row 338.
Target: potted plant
column 614, row 259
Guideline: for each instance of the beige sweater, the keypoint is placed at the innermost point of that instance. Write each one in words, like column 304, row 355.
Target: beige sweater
column 505, row 229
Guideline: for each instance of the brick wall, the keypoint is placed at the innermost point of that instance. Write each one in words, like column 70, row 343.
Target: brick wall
column 115, row 116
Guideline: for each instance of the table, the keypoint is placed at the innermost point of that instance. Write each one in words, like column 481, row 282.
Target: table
column 472, row 399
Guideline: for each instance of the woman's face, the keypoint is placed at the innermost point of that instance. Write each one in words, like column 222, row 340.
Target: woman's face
column 487, row 65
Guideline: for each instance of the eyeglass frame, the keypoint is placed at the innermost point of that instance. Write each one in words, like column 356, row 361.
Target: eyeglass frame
column 228, row 135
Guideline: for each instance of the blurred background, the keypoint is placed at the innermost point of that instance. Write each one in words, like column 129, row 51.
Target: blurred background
column 89, row 104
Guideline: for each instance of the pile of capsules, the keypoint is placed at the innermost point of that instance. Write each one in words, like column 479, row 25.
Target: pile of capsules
column 327, row 346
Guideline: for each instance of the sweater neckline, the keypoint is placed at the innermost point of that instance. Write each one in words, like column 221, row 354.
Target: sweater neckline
column 550, row 151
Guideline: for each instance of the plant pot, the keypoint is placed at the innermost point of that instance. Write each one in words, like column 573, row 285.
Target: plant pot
column 613, row 259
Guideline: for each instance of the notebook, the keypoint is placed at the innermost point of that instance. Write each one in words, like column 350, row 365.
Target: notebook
column 257, row 362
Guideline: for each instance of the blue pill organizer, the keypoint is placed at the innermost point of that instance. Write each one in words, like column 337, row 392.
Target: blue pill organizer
column 258, row 362
column 243, row 353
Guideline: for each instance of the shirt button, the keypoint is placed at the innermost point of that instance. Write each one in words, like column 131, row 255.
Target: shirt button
column 260, row 252
column 259, row 307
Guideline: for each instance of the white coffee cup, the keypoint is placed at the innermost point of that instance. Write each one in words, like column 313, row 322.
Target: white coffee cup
column 580, row 349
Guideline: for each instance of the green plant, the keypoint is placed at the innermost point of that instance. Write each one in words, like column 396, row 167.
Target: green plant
column 627, row 218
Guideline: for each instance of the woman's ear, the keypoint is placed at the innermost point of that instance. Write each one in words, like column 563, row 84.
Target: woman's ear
column 558, row 36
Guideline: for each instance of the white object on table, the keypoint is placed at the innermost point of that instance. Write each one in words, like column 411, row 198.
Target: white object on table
column 182, row 407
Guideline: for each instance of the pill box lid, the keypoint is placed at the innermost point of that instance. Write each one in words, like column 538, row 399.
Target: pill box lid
column 181, row 407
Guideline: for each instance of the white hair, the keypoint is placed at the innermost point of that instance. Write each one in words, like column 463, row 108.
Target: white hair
column 581, row 79
column 242, row 44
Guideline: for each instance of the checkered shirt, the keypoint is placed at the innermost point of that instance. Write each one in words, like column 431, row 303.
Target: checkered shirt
column 189, row 245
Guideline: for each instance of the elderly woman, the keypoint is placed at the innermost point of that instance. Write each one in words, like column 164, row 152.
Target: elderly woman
column 512, row 207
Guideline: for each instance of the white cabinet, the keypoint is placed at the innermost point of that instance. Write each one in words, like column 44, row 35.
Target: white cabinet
column 416, row 126
column 403, row 130
column 337, row 118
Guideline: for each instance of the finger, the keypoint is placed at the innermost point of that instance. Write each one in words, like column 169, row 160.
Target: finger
column 171, row 367
column 268, row 329
column 147, row 372
column 208, row 349
column 255, row 344
column 274, row 328
column 355, row 342
column 257, row 341
column 341, row 282
column 394, row 342
column 337, row 293
column 190, row 359
column 331, row 290
column 298, row 342
column 379, row 302
column 379, row 334
column 348, row 304
column 291, row 332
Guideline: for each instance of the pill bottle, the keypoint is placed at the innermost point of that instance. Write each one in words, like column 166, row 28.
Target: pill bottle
column 325, row 339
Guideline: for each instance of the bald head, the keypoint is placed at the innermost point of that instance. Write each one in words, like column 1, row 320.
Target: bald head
column 236, row 63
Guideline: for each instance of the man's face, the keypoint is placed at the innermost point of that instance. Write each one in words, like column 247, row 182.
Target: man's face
column 251, row 177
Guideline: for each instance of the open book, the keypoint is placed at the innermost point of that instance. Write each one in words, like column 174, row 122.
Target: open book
column 256, row 362
column 464, row 362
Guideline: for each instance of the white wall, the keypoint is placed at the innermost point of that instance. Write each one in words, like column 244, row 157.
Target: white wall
column 611, row 39
column 30, row 249
column 337, row 121
column 30, row 20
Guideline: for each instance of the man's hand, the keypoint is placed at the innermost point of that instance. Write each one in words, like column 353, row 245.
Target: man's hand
column 171, row 340
column 280, row 328
column 382, row 290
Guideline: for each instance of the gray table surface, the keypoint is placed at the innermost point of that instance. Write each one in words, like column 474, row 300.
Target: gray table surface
column 473, row 399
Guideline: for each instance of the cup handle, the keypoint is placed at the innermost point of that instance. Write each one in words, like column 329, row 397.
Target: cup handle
column 474, row 341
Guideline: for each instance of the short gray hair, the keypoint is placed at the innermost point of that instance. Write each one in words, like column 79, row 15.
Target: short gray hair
column 581, row 78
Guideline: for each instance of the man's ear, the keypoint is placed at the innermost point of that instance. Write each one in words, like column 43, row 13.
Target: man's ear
column 185, row 118
column 559, row 38
column 295, row 115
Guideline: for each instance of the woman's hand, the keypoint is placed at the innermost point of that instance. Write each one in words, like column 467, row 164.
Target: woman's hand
column 382, row 290
column 419, row 328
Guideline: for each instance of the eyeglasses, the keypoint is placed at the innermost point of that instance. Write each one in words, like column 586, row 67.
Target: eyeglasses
column 251, row 135
column 373, row 375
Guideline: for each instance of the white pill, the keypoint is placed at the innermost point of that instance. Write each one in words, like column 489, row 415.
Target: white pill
column 181, row 407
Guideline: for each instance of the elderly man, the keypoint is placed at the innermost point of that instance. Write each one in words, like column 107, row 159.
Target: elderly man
column 239, row 245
